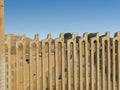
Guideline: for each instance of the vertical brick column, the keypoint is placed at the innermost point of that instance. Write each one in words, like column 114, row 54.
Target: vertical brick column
column 93, row 51
column 2, row 56
column 113, row 64
column 68, row 65
column 59, row 41
column 80, row 64
column 92, row 63
column 118, row 36
column 86, row 60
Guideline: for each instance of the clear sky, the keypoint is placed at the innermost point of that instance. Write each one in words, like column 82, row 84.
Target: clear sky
column 56, row 16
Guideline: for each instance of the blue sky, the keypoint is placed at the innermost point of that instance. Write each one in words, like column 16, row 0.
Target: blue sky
column 56, row 16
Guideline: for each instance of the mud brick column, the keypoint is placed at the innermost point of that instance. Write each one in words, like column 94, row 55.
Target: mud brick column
column 2, row 56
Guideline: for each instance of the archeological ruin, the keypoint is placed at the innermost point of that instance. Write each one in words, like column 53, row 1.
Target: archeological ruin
column 86, row 63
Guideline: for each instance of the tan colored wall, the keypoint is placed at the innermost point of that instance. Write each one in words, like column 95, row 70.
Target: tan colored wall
column 90, row 64
column 2, row 57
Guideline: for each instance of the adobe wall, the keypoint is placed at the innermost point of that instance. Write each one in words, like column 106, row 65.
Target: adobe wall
column 87, row 64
